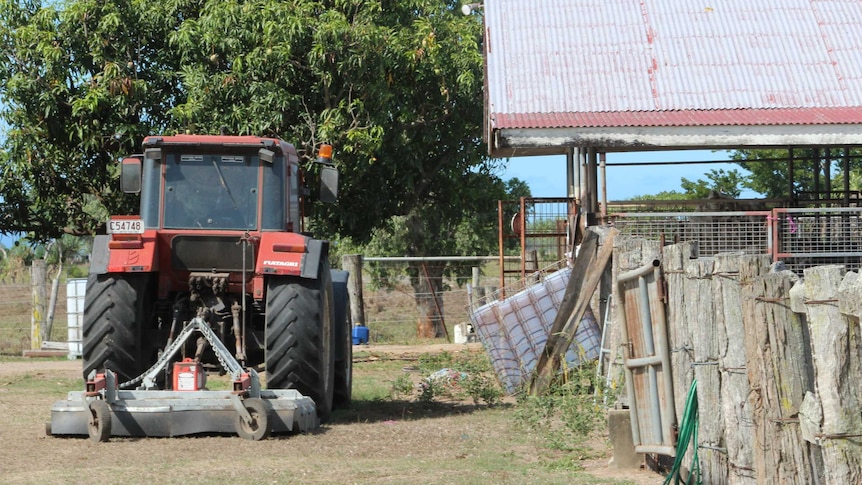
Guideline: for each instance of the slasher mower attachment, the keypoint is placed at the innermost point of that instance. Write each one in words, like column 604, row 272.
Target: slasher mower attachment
column 106, row 409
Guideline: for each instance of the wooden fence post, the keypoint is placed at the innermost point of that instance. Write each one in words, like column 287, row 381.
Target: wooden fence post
column 835, row 347
column 674, row 260
column 37, row 320
column 476, row 292
column 353, row 264
column 700, row 311
column 733, row 272
column 776, row 355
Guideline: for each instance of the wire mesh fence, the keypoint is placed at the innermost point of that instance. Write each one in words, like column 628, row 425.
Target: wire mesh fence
column 392, row 311
column 800, row 237
column 813, row 237
column 16, row 313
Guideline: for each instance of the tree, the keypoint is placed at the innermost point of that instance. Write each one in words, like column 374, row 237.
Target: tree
column 769, row 176
column 727, row 183
column 82, row 81
column 467, row 228
column 395, row 86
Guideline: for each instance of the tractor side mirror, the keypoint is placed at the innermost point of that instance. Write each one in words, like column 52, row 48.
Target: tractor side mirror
column 130, row 175
column 328, row 184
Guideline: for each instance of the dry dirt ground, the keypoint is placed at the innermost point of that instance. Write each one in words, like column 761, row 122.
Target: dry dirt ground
column 455, row 445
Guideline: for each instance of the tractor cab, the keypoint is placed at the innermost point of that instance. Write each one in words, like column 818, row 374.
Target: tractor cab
column 198, row 182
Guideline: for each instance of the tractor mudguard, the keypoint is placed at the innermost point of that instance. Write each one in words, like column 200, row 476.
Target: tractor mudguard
column 342, row 320
column 100, row 255
column 290, row 254
column 134, row 255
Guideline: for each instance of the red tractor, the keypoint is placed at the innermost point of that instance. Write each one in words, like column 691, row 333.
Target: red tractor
column 219, row 237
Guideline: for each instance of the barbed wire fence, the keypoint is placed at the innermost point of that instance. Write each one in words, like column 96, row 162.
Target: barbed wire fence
column 391, row 299
column 15, row 304
column 391, row 309
column 16, row 315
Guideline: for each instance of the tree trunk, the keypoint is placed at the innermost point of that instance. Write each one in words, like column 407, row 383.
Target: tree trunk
column 427, row 282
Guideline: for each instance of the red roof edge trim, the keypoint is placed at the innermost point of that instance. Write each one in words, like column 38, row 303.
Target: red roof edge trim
column 730, row 117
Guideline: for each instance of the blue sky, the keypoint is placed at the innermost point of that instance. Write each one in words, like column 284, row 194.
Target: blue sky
column 546, row 175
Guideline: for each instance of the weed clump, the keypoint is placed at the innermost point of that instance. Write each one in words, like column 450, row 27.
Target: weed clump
column 452, row 377
column 569, row 412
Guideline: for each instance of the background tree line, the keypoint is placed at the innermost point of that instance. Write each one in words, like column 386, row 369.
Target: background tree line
column 394, row 85
column 765, row 172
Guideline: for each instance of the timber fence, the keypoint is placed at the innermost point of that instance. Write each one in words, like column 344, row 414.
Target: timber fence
column 777, row 358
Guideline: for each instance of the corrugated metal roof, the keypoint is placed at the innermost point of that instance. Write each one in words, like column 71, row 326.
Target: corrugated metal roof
column 580, row 63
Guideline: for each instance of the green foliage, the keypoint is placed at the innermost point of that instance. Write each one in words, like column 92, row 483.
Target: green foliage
column 568, row 413
column 770, row 177
column 727, row 183
column 765, row 171
column 82, row 82
column 663, row 195
column 396, row 90
column 402, row 386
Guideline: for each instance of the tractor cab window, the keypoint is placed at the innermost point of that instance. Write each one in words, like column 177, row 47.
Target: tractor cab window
column 152, row 186
column 210, row 191
column 273, row 195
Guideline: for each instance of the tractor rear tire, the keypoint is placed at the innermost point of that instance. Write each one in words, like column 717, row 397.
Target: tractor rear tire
column 300, row 337
column 117, row 308
column 343, row 341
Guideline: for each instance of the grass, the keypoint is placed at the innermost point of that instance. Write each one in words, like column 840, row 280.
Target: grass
column 55, row 387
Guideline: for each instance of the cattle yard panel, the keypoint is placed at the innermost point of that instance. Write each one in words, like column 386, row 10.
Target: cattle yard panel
column 716, row 232
column 813, row 237
column 800, row 238
column 538, row 230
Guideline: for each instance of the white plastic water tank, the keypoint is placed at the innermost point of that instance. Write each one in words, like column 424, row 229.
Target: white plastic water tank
column 75, row 290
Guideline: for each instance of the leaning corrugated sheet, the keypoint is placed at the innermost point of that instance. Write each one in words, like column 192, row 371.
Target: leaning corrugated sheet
column 514, row 330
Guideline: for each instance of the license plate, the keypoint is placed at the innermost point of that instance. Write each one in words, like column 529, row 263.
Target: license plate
column 125, row 226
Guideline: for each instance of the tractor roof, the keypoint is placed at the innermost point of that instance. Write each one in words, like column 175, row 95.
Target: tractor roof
column 219, row 140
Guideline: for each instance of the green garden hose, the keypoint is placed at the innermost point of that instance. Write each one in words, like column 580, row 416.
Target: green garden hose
column 687, row 433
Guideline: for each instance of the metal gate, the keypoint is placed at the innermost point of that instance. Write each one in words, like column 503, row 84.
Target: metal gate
column 649, row 383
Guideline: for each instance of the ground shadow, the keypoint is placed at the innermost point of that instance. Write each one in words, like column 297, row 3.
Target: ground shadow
column 375, row 411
